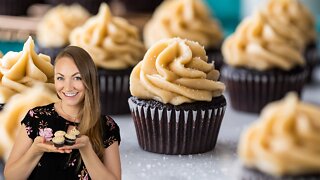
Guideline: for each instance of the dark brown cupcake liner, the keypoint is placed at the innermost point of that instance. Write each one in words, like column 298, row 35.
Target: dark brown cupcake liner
column 216, row 56
column 141, row 5
column 114, row 91
column 184, row 129
column 52, row 52
column 312, row 58
column 254, row 174
column 91, row 5
column 15, row 8
column 251, row 90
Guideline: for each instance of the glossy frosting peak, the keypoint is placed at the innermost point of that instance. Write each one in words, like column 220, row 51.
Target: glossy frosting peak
column 21, row 70
column 175, row 71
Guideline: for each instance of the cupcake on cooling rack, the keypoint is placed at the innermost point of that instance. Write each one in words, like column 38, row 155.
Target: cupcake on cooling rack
column 54, row 28
column 91, row 5
column 115, row 47
column 294, row 22
column 261, row 66
column 177, row 103
column 283, row 143
column 189, row 19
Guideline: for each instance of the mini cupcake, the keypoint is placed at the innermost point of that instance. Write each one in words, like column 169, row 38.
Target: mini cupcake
column 294, row 21
column 54, row 28
column 75, row 132
column 177, row 103
column 189, row 19
column 283, row 143
column 261, row 66
column 70, row 139
column 91, row 5
column 58, row 141
column 115, row 47
column 59, row 133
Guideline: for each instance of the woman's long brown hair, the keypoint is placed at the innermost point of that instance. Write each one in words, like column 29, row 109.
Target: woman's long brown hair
column 90, row 123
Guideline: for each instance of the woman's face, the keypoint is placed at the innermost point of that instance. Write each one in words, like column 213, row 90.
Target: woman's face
column 68, row 82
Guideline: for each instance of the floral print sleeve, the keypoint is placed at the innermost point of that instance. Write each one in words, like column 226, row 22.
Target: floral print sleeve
column 111, row 131
column 29, row 122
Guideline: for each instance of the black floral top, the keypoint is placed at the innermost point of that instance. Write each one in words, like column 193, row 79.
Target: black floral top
column 45, row 121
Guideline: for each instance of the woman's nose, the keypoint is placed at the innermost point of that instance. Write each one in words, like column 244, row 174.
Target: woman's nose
column 68, row 85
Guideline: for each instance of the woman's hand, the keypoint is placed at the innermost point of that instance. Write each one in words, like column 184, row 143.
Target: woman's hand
column 82, row 142
column 40, row 146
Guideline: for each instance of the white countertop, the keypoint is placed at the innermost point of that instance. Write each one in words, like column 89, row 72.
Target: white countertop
column 221, row 163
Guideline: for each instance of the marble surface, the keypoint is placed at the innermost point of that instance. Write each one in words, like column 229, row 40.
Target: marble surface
column 221, row 163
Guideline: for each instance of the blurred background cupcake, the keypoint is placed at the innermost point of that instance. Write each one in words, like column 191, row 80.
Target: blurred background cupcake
column 55, row 27
column 21, row 70
column 261, row 65
column 91, row 5
column 300, row 27
column 297, row 16
column 189, row 19
column 177, row 103
column 283, row 143
column 115, row 47
column 16, row 7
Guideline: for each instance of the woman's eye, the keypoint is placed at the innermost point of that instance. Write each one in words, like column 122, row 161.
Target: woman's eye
column 78, row 78
column 59, row 78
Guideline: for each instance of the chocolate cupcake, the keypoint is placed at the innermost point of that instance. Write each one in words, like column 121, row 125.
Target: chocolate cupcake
column 70, row 139
column 282, row 143
column 58, row 141
column 295, row 22
column 260, row 65
column 177, row 104
column 115, row 47
column 91, row 5
column 188, row 19
column 54, row 28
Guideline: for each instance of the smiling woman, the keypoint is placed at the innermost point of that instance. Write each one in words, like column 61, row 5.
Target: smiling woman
column 93, row 154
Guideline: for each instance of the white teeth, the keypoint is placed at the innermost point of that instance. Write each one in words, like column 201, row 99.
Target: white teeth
column 70, row 94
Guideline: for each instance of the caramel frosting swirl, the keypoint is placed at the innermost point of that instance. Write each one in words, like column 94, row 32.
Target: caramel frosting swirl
column 285, row 140
column 21, row 70
column 256, row 45
column 292, row 20
column 55, row 27
column 187, row 19
column 175, row 71
column 111, row 41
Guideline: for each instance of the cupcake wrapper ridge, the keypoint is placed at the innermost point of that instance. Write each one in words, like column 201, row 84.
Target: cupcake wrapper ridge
column 250, row 91
column 114, row 91
column 174, row 131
